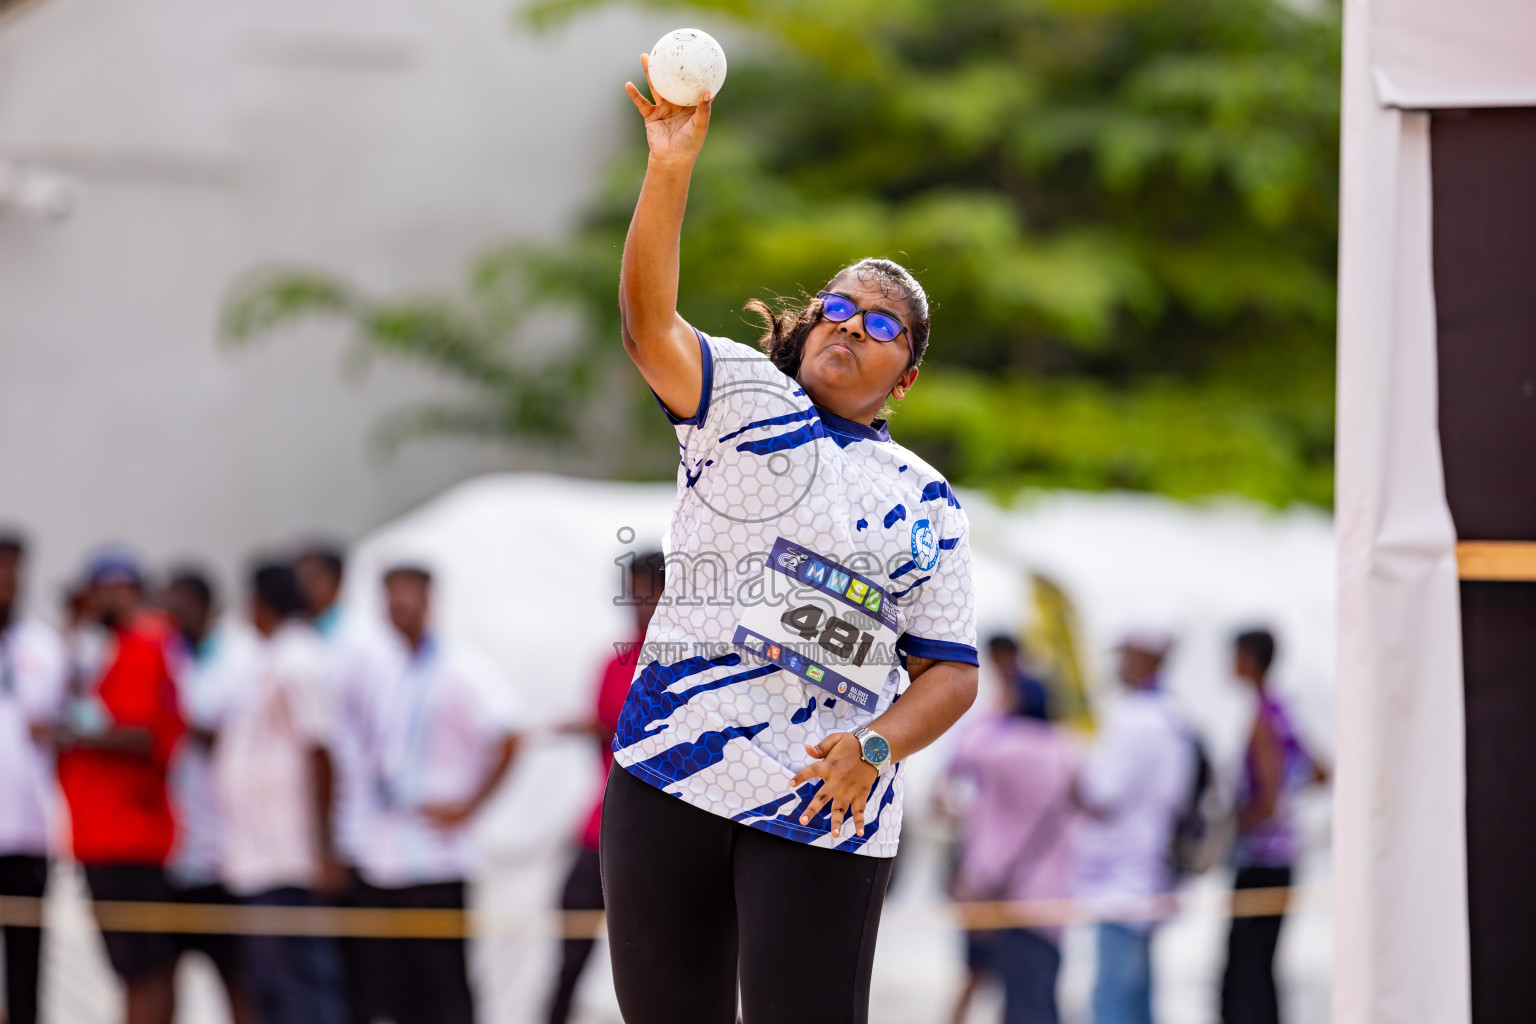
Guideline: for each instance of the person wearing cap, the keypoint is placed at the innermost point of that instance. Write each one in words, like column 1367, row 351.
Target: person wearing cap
column 1016, row 836
column 1134, row 786
column 32, row 687
column 115, row 748
column 274, row 776
column 444, row 733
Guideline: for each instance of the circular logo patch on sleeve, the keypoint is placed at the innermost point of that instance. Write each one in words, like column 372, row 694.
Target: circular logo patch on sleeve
column 925, row 545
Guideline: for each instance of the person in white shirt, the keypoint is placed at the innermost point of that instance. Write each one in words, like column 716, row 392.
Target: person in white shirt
column 1133, row 787
column 445, row 731
column 203, row 658
column 274, row 781
column 355, row 649
column 33, row 677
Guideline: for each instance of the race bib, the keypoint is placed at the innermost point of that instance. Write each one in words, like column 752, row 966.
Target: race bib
column 837, row 630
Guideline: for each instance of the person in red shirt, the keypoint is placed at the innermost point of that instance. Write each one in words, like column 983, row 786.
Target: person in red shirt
column 584, row 885
column 114, row 750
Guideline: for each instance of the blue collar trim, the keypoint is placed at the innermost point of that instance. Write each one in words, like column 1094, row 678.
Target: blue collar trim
column 853, row 428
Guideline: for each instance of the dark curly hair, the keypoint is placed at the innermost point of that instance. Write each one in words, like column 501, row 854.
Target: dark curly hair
column 785, row 329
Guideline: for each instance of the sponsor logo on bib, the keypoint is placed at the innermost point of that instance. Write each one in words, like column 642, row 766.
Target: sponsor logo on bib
column 792, row 558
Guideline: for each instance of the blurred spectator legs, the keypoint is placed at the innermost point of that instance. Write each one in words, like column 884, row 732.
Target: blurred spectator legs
column 145, row 961
column 1248, row 992
column 294, row 979
column 583, row 891
column 362, row 958
column 422, row 981
column 22, row 876
column 1122, row 985
column 223, row 951
column 1028, row 963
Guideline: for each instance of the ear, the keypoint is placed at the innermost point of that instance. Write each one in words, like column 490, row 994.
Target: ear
column 904, row 383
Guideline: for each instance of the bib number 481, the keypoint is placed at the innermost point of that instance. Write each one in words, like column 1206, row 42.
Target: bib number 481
column 840, row 638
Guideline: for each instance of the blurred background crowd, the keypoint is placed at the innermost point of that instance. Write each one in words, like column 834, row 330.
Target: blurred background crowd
column 1126, row 215
column 177, row 748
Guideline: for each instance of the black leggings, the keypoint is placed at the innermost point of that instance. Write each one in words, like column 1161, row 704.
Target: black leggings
column 696, row 901
column 1248, row 991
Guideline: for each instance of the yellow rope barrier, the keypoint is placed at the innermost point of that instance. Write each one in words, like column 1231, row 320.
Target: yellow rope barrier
column 227, row 919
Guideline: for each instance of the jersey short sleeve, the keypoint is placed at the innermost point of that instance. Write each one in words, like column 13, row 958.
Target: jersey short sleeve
column 741, row 385
column 939, row 606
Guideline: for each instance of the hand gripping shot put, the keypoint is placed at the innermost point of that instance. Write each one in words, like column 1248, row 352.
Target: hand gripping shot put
column 748, row 841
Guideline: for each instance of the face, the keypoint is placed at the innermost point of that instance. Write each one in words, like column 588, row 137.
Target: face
column 1246, row 665
column 842, row 367
column 318, row 582
column 1137, row 665
column 645, row 606
column 1005, row 661
column 111, row 603
column 187, row 608
column 409, row 599
column 263, row 618
column 10, row 578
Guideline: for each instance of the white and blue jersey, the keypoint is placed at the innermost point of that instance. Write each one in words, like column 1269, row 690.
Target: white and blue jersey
column 806, row 553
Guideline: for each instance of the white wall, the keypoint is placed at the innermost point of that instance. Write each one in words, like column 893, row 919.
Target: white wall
column 388, row 140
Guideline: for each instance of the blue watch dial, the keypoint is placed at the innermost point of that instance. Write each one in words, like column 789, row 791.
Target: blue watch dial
column 876, row 750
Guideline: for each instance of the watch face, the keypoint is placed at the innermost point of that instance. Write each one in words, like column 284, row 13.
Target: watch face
column 876, row 750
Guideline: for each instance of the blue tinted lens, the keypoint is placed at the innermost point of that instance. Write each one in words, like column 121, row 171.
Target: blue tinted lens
column 837, row 309
column 882, row 327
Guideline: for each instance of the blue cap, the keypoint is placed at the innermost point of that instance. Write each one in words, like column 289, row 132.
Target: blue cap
column 114, row 565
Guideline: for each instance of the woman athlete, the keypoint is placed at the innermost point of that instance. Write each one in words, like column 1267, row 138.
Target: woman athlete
column 747, row 845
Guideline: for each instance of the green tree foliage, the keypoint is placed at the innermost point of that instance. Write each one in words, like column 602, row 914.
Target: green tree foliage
column 1124, row 210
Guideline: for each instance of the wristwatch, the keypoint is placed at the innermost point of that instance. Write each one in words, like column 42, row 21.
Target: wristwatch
column 874, row 748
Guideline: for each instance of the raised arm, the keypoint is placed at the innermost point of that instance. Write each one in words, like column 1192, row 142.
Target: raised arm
column 660, row 342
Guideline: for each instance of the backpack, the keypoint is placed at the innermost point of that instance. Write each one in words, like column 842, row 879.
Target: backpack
column 1195, row 846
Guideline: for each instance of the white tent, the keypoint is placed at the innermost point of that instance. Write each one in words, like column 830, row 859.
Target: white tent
column 1400, row 845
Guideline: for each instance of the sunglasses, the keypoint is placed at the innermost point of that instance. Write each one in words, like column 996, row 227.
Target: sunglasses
column 881, row 326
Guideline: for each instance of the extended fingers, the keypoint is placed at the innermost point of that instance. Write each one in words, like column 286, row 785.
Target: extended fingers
column 815, row 770
column 645, row 63
column 642, row 104
column 701, row 112
column 838, row 810
column 858, row 815
column 818, row 801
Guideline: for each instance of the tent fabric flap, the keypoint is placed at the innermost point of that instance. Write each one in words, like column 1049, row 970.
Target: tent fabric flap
column 1428, row 54
column 1401, row 954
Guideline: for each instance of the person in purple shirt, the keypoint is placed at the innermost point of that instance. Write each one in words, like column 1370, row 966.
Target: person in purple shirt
column 1275, row 765
column 1016, row 837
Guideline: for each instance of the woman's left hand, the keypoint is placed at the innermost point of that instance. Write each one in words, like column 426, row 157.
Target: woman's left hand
column 847, row 780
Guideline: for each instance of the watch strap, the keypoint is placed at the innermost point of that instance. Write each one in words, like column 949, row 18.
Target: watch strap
column 860, row 734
